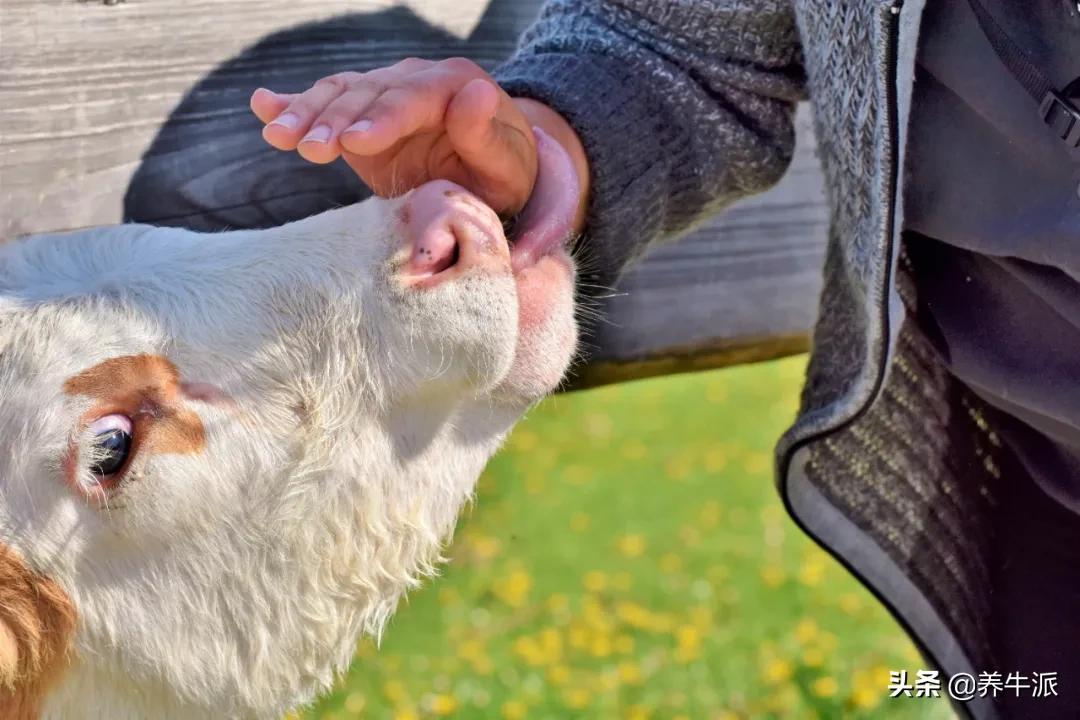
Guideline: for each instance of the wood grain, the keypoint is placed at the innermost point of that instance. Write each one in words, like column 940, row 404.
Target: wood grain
column 138, row 111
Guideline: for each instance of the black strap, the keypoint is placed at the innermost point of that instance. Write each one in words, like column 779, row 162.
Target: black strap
column 1055, row 109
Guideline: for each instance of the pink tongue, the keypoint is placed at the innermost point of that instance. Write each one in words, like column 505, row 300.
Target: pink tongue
column 547, row 219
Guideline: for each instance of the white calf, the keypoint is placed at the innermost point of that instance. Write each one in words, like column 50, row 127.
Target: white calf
column 224, row 458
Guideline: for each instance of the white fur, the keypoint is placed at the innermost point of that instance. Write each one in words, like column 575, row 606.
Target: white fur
column 237, row 581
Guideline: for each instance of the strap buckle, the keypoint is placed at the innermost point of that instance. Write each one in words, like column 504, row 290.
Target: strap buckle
column 1062, row 117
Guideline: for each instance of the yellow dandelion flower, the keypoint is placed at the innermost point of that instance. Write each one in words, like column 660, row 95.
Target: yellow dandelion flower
column 689, row 635
column 670, row 563
column 824, row 687
column 558, row 603
column 812, row 572
column 806, row 631
column 850, row 603
column 578, row 637
column 678, row 467
column 827, row 641
column 630, row 673
column 777, row 670
column 558, row 675
column 577, row 698
column 355, row 703
column 525, row 648
column 865, row 698
column 660, row 623
column 514, row 588
column 600, row 646
column 638, row 712
column 485, row 547
column 701, row 616
column 879, row 674
column 514, row 710
column 595, row 614
column 595, row 581
column 757, row 463
column 812, row 657
column 716, row 459
column 632, row 545
column 867, row 686
column 633, row 614
column 470, row 648
column 405, row 714
column 686, row 655
column 772, row 575
column 727, row 715
column 443, row 704
column 394, row 691
column 366, row 648
column 551, row 644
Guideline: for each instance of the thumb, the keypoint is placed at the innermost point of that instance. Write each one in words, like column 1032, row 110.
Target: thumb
column 494, row 143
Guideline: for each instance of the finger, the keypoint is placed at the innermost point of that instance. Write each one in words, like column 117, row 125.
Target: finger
column 267, row 104
column 412, row 105
column 494, row 144
column 286, row 129
column 320, row 144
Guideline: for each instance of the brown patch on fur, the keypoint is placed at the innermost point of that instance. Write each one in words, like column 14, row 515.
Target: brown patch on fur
column 37, row 627
column 148, row 390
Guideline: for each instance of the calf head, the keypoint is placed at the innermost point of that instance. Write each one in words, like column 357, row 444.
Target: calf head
column 224, row 458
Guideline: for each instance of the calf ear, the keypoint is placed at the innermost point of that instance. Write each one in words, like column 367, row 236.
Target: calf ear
column 37, row 627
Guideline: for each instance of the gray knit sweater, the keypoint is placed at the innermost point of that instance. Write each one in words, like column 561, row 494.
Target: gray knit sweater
column 685, row 107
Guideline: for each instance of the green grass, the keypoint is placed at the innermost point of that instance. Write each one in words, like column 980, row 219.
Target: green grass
column 628, row 557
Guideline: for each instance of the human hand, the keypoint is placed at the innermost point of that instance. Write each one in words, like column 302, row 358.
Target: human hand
column 419, row 120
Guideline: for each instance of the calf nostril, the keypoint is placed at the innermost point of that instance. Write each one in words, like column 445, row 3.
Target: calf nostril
column 436, row 249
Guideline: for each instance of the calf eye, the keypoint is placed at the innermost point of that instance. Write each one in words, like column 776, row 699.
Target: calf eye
column 111, row 444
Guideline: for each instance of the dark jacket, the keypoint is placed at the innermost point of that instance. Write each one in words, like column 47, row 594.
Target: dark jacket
column 684, row 108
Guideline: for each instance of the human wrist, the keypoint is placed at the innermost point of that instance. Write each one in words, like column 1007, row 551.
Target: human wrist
column 551, row 122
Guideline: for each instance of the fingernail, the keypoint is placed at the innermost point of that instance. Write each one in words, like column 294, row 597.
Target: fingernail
column 359, row 126
column 286, row 120
column 267, row 91
column 319, row 134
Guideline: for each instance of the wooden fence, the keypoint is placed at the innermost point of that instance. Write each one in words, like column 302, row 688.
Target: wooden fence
column 137, row 110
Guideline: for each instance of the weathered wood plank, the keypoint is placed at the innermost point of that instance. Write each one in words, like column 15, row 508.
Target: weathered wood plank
column 139, row 111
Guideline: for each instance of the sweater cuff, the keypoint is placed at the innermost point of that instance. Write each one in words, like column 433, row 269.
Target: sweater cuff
column 629, row 150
